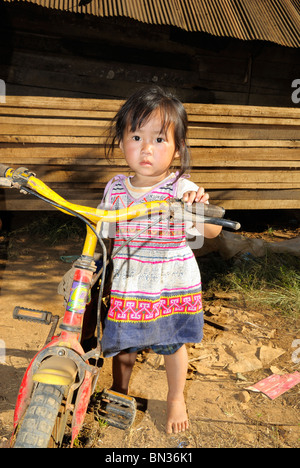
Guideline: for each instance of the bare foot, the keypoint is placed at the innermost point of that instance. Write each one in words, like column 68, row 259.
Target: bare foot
column 177, row 418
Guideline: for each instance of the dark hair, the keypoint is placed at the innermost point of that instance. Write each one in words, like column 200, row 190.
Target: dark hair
column 139, row 107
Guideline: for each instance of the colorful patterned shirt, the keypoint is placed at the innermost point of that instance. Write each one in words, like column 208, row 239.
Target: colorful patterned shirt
column 156, row 287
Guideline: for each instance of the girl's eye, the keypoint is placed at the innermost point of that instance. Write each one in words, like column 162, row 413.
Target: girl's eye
column 136, row 138
column 160, row 139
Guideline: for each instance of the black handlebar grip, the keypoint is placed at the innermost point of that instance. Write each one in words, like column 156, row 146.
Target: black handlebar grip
column 227, row 223
column 213, row 211
column 3, row 169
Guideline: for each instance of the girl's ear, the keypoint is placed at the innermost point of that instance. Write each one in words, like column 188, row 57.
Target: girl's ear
column 121, row 146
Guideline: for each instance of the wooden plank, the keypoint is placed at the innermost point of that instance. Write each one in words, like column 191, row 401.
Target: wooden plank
column 52, row 139
column 62, row 103
column 240, row 120
column 113, row 105
column 37, row 112
column 248, row 176
column 90, row 140
column 29, row 152
column 214, row 155
column 107, row 115
column 243, row 132
column 90, row 196
column 247, row 153
column 36, row 205
column 245, row 143
column 18, row 159
column 52, row 130
column 241, row 110
column 252, row 174
column 258, row 205
column 211, row 186
column 93, row 177
column 95, row 119
column 28, row 204
column 99, row 129
column 275, row 195
column 85, row 161
column 229, row 163
column 28, row 122
column 226, row 185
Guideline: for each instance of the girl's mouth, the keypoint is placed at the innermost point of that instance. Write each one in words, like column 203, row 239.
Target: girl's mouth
column 146, row 163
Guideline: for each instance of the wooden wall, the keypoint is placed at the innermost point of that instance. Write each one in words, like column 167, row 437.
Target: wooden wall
column 246, row 157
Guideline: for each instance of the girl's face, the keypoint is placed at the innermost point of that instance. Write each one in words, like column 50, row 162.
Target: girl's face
column 149, row 151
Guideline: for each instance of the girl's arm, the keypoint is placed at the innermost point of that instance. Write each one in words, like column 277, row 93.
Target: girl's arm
column 210, row 230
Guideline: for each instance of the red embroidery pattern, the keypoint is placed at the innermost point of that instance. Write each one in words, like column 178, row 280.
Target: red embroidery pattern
column 139, row 310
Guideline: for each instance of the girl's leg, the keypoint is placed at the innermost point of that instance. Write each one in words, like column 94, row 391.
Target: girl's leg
column 176, row 367
column 122, row 368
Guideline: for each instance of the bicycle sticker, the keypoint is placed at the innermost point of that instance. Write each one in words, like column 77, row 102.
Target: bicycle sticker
column 79, row 295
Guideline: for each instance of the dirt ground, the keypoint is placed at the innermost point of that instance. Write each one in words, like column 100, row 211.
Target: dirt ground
column 244, row 347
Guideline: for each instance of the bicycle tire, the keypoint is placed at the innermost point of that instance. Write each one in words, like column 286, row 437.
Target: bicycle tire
column 43, row 412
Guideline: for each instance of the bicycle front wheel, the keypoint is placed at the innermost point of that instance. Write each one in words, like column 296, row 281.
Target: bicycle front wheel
column 45, row 420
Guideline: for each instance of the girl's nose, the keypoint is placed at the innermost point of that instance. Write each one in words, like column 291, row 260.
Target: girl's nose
column 147, row 147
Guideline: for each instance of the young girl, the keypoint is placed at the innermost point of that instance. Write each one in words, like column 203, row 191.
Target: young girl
column 156, row 285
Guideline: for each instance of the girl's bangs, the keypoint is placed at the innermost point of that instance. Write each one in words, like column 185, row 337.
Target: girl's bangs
column 137, row 118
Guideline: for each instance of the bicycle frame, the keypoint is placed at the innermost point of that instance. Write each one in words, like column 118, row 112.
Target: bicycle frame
column 63, row 361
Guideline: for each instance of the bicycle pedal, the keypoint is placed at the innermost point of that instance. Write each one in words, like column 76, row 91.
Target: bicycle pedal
column 116, row 409
column 32, row 315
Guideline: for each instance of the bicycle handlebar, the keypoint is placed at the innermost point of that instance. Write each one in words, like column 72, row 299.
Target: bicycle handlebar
column 201, row 213
column 211, row 214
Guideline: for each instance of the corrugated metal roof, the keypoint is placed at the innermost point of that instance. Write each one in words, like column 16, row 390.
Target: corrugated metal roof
column 268, row 20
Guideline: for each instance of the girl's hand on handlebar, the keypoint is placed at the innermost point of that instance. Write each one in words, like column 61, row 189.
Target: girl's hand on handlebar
column 209, row 230
column 199, row 196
